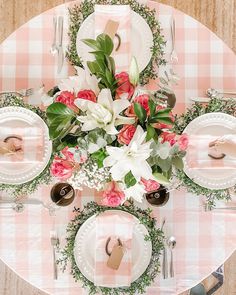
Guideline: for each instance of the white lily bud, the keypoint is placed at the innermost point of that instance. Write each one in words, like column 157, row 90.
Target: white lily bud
column 134, row 72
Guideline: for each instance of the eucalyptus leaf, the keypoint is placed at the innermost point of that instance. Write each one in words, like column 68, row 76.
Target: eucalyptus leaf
column 178, row 163
column 165, row 165
column 160, row 178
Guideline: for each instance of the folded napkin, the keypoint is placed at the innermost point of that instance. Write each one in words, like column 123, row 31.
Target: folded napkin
column 31, row 145
column 114, row 225
column 197, row 154
column 122, row 15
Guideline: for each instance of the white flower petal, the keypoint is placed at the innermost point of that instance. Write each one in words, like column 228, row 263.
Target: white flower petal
column 110, row 129
column 120, row 120
column 89, row 125
column 135, row 192
column 120, row 105
column 83, row 104
column 105, row 98
column 119, row 170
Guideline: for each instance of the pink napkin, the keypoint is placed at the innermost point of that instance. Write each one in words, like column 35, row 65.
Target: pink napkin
column 197, row 154
column 114, row 225
column 121, row 14
column 32, row 145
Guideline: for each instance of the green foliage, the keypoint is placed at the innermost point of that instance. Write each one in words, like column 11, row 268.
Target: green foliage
column 80, row 12
column 140, row 112
column 60, row 119
column 103, row 67
column 161, row 178
column 99, row 156
column 155, row 235
column 130, row 179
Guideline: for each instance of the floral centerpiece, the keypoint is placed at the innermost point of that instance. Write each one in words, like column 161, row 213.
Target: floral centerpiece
column 110, row 134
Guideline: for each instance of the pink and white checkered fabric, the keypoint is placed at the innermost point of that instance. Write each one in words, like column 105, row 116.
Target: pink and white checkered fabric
column 197, row 154
column 204, row 239
column 115, row 226
column 120, row 14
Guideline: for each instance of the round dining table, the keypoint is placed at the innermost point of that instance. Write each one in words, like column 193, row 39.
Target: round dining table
column 204, row 239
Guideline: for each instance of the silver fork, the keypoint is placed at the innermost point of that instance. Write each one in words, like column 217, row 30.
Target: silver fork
column 173, row 54
column 54, row 243
column 54, row 48
column 21, row 92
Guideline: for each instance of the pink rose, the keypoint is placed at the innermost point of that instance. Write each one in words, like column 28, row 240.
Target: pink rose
column 162, row 125
column 124, row 86
column 126, row 134
column 170, row 137
column 87, row 94
column 69, row 155
column 143, row 101
column 129, row 112
column 68, row 99
column 113, row 196
column 61, row 168
column 183, row 142
column 150, row 185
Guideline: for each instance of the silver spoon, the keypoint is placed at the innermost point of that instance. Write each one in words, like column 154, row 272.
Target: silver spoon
column 171, row 244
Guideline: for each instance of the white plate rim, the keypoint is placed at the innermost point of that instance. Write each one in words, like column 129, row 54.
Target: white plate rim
column 137, row 223
column 190, row 129
column 47, row 151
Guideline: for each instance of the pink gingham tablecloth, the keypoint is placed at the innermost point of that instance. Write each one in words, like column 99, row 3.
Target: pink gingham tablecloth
column 204, row 239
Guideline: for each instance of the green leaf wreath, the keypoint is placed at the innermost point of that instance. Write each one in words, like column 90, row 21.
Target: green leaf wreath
column 80, row 12
column 181, row 122
column 156, row 237
column 44, row 177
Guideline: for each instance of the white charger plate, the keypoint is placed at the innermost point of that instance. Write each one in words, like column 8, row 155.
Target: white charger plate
column 84, row 248
column 23, row 118
column 217, row 125
column 141, row 39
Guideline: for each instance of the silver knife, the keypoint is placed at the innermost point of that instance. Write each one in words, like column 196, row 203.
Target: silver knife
column 60, row 47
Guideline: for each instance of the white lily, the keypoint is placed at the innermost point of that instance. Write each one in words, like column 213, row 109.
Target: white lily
column 105, row 113
column 83, row 81
column 135, row 192
column 132, row 158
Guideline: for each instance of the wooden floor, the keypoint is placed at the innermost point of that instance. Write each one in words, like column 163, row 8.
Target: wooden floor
column 218, row 15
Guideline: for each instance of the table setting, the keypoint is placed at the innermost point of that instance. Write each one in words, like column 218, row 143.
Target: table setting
column 117, row 149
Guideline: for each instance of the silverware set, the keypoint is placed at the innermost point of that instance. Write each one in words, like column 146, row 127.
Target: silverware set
column 168, row 268
column 57, row 43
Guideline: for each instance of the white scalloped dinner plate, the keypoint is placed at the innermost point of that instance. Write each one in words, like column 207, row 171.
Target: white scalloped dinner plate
column 141, row 39
column 212, row 124
column 18, row 173
column 84, row 248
